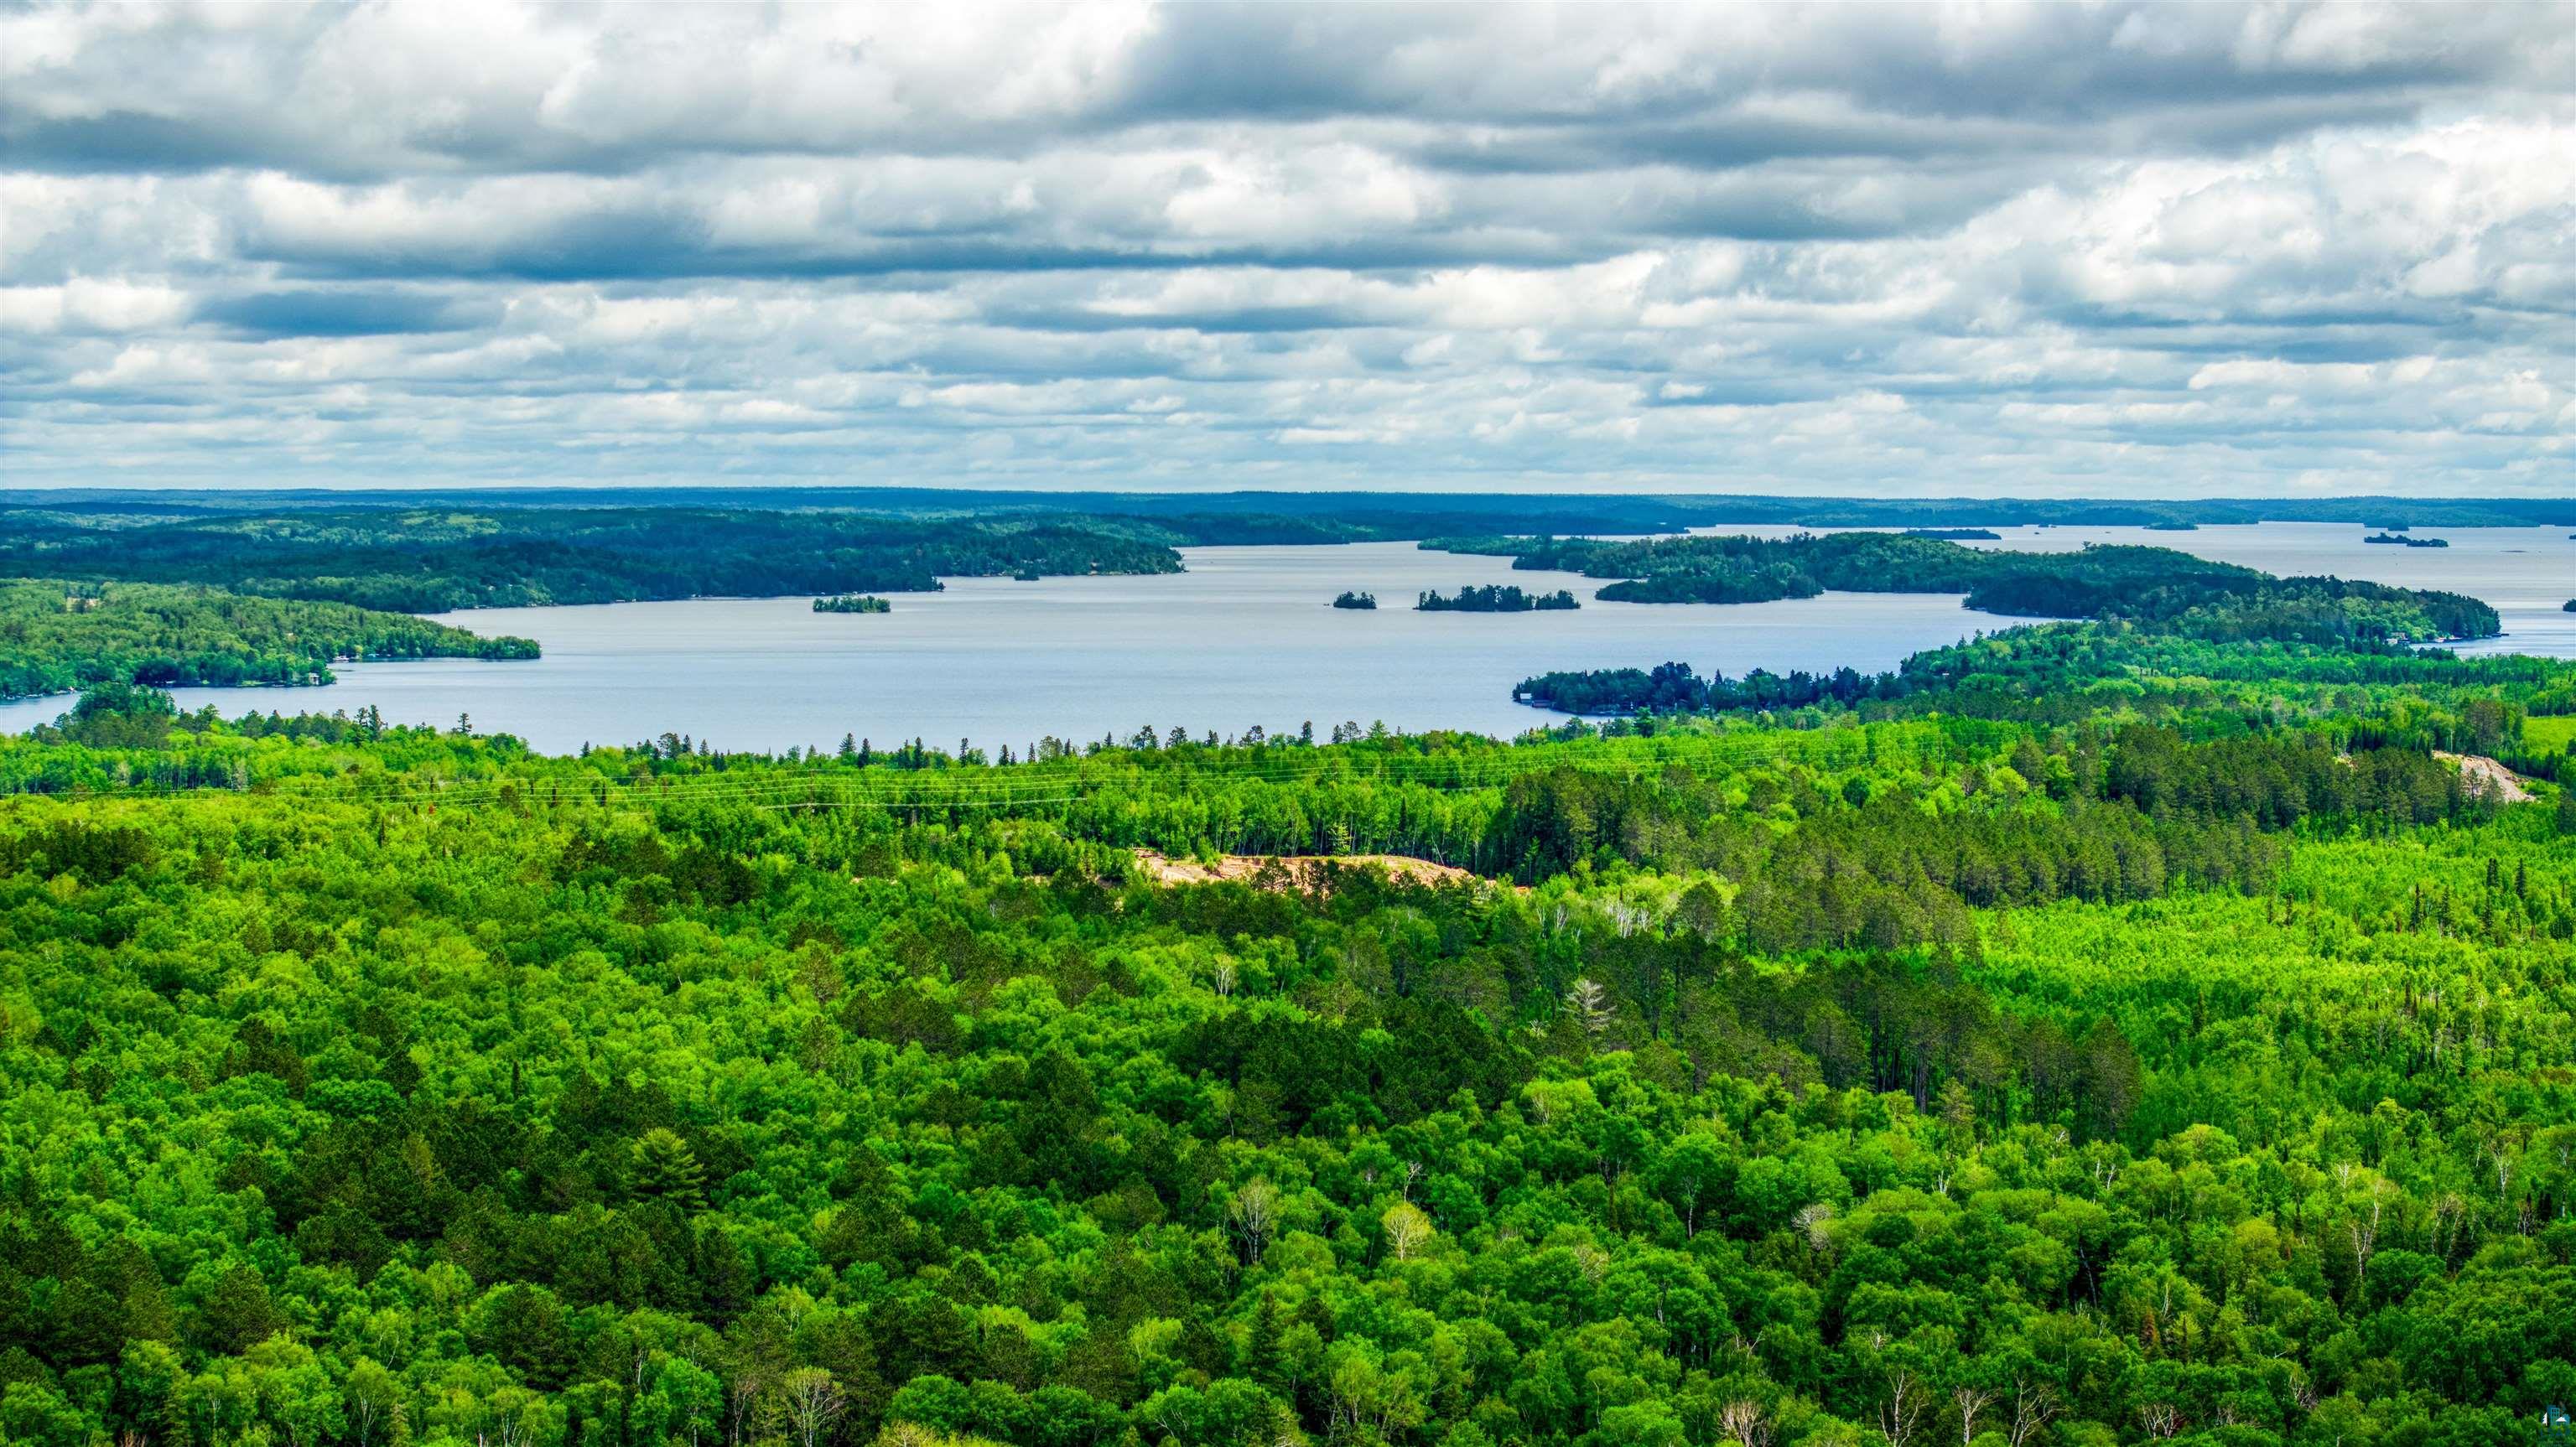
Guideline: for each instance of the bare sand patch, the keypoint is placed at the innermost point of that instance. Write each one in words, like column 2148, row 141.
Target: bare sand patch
column 2487, row 778
column 1299, row 870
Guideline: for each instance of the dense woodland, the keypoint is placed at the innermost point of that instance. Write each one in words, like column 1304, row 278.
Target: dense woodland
column 2061, row 672
column 2195, row 1066
column 58, row 636
column 2128, row 1030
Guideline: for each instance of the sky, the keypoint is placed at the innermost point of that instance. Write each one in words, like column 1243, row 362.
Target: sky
column 2048, row 250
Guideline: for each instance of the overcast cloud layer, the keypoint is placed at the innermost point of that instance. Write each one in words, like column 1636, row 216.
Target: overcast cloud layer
column 2107, row 249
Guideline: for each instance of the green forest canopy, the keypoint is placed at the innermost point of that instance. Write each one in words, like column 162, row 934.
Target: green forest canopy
column 2193, row 1064
column 2132, row 1029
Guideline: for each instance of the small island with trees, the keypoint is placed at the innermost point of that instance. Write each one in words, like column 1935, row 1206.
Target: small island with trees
column 1501, row 598
column 2401, row 541
column 853, row 603
column 1956, row 535
column 1365, row 602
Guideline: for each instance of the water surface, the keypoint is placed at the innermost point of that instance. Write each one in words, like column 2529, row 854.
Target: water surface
column 1246, row 637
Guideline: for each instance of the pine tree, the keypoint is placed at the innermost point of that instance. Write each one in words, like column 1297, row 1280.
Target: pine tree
column 664, row 1166
column 1591, row 1008
column 1202, row 1349
column 1262, row 1358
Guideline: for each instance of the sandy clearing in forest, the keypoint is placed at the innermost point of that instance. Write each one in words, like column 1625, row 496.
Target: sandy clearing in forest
column 1301, row 868
column 2485, row 776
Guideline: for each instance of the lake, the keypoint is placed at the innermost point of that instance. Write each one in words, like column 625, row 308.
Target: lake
column 1245, row 637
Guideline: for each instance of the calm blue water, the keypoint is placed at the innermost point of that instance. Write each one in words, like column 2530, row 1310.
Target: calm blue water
column 1244, row 637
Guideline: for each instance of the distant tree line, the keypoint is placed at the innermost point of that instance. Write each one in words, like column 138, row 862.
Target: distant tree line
column 2058, row 671
column 438, row 561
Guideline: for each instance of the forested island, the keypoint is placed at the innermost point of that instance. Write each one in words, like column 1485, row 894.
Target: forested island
column 2402, row 541
column 2154, row 586
column 2219, row 625
column 853, row 603
column 1956, row 535
column 1495, row 599
column 57, row 636
column 1364, row 602
column 2159, row 1038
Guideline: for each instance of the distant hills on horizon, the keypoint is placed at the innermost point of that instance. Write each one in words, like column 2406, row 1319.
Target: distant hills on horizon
column 1392, row 511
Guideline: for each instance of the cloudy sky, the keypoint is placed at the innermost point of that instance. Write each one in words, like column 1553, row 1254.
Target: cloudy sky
column 2049, row 250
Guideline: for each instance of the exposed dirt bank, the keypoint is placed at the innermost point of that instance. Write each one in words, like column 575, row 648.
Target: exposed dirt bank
column 1299, row 870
